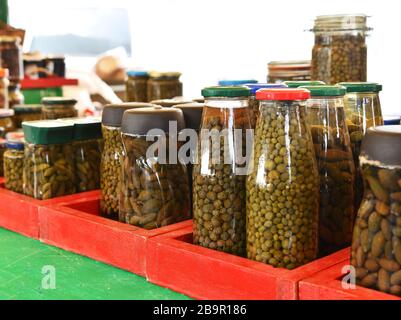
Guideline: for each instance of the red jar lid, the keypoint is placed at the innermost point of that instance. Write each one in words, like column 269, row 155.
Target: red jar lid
column 283, row 94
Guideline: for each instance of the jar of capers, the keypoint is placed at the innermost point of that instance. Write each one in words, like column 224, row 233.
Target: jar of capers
column 362, row 110
column 326, row 119
column 283, row 184
column 340, row 52
column 136, row 86
column 26, row 112
column 164, row 85
column 14, row 166
column 112, row 154
column 219, row 176
column 376, row 244
column 58, row 107
column 154, row 188
column 49, row 169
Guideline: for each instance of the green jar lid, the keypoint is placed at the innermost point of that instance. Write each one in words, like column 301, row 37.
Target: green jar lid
column 48, row 131
column 297, row 84
column 55, row 101
column 325, row 91
column 85, row 128
column 229, row 91
column 361, row 86
column 27, row 108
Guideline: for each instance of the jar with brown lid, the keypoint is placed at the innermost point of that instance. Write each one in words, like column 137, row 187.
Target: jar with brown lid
column 11, row 57
column 136, row 86
column 164, row 85
column 4, row 88
column 296, row 70
column 58, row 107
column 26, row 112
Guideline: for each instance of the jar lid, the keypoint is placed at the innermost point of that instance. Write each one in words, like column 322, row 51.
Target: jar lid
column 361, row 86
column 297, row 84
column 340, row 22
column 53, row 101
column 3, row 73
column 169, row 102
column 140, row 121
column 85, row 128
column 6, row 113
column 48, row 131
column 225, row 91
column 27, row 108
column 383, row 144
column 391, row 120
column 236, row 82
column 137, row 73
column 112, row 114
column 14, row 144
column 325, row 90
column 192, row 114
column 164, row 75
column 287, row 94
column 256, row 86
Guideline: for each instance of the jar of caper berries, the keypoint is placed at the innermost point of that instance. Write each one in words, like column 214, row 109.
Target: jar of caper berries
column 220, row 170
column 340, row 52
column 14, row 165
column 362, row 110
column 326, row 119
column 49, row 169
column 283, row 183
column 58, row 107
column 110, row 164
column 154, row 187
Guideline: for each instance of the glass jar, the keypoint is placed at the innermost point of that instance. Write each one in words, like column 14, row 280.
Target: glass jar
column 49, row 169
column 218, row 174
column 326, row 119
column 15, row 96
column 253, row 103
column 11, row 57
column 14, row 166
column 6, row 120
column 136, row 86
column 58, row 107
column 154, row 190
column 2, row 150
column 164, row 85
column 376, row 244
column 4, row 88
column 340, row 52
column 362, row 110
column 236, row 82
column 283, row 184
column 26, row 112
column 280, row 71
column 112, row 154
column 297, row 84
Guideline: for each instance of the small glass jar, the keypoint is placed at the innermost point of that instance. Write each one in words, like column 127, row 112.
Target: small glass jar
column 280, row 71
column 58, row 107
column 4, row 88
column 6, row 120
column 112, row 155
column 376, row 244
column 164, row 85
column 326, row 119
column 362, row 110
column 11, row 57
column 340, row 52
column 283, row 184
column 15, row 96
column 253, row 103
column 49, row 169
column 26, row 112
column 219, row 196
column 154, row 190
column 14, row 166
column 136, row 86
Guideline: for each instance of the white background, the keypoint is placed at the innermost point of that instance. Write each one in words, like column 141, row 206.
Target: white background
column 209, row 40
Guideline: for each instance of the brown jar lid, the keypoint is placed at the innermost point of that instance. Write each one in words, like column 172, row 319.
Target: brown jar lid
column 192, row 114
column 383, row 144
column 112, row 114
column 140, row 121
column 167, row 103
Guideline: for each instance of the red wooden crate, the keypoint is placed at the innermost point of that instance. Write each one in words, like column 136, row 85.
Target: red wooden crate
column 19, row 213
column 76, row 226
column 327, row 285
column 174, row 262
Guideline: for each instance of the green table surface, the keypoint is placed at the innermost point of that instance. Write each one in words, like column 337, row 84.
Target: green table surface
column 31, row 270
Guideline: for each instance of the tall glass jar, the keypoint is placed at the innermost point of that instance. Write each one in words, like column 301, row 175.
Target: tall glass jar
column 4, row 88
column 219, row 175
column 376, row 244
column 164, row 85
column 362, row 110
column 154, row 187
column 58, row 107
column 340, row 52
column 280, row 71
column 112, row 155
column 326, row 119
column 136, row 86
column 283, row 183
column 14, row 166
column 11, row 57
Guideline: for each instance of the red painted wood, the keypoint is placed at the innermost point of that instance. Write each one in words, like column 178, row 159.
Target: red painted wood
column 174, row 262
column 76, row 226
column 327, row 285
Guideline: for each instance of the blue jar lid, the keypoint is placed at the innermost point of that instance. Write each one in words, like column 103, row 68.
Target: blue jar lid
column 137, row 73
column 17, row 145
column 237, row 82
column 391, row 120
column 256, row 86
